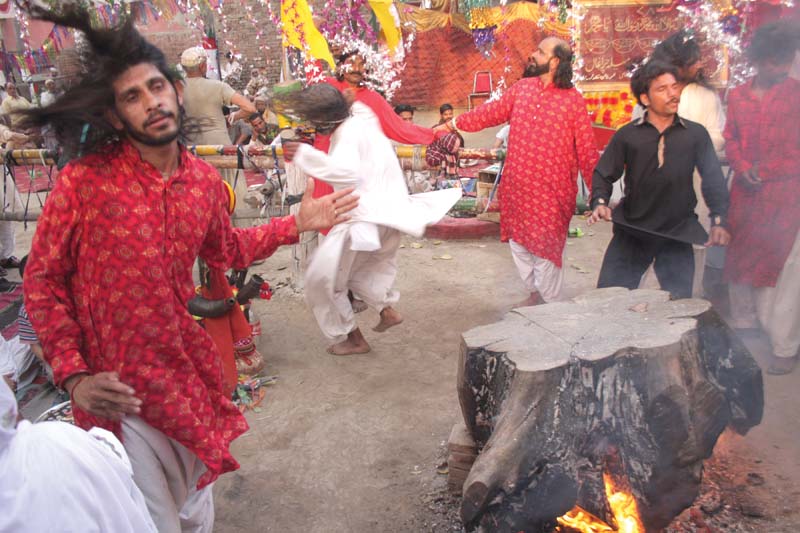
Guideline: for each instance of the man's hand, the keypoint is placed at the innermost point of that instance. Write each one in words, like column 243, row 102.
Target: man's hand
column 718, row 236
column 104, row 395
column 321, row 213
column 289, row 149
column 601, row 212
column 750, row 177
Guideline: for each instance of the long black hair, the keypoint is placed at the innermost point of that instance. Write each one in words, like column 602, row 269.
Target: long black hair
column 78, row 117
column 681, row 50
column 321, row 104
column 562, row 77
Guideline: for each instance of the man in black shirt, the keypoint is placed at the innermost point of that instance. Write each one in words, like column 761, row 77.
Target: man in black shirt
column 655, row 221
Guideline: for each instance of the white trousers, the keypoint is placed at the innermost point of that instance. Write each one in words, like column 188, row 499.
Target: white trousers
column 335, row 268
column 8, row 239
column 167, row 473
column 776, row 308
column 11, row 204
column 538, row 274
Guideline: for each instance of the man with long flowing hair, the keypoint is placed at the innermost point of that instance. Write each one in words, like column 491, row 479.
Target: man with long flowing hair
column 359, row 256
column 110, row 270
column 550, row 140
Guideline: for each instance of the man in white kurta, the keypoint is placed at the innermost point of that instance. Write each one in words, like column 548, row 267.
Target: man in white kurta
column 361, row 255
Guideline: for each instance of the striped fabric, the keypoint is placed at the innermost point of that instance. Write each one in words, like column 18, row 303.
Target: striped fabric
column 26, row 333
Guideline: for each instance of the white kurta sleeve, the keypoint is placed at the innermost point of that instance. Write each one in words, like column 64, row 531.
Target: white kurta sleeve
column 339, row 168
column 715, row 120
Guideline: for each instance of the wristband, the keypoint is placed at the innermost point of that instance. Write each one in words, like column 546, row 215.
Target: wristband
column 718, row 220
column 75, row 386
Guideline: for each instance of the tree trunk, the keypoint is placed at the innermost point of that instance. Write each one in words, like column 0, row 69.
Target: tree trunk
column 616, row 380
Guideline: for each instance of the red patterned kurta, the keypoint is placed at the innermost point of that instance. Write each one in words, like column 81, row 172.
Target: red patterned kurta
column 763, row 222
column 551, row 138
column 109, row 277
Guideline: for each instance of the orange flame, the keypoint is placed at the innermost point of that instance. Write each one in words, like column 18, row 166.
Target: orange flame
column 623, row 507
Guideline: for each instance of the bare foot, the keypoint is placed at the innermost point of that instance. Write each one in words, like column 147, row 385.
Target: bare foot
column 534, row 299
column 354, row 344
column 389, row 318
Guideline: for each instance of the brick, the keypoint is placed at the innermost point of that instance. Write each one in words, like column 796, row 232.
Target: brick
column 460, row 440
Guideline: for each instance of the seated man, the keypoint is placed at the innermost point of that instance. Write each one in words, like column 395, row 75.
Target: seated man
column 45, row 466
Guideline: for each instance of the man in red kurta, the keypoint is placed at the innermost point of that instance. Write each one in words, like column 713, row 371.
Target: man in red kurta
column 551, row 139
column 110, row 274
column 762, row 141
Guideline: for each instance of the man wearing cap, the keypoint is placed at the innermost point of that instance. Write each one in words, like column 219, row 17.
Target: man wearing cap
column 203, row 100
column 256, row 83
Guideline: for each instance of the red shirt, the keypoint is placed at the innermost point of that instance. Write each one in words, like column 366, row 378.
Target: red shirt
column 108, row 279
column 551, row 138
column 763, row 222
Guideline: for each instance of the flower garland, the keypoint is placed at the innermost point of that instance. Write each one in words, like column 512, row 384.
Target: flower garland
column 381, row 74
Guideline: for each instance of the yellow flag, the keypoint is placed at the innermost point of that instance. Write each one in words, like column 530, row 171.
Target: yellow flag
column 383, row 12
column 299, row 30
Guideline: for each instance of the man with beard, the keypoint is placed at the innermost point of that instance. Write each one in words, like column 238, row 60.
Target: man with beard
column 655, row 222
column 110, row 270
column 763, row 145
column 551, row 139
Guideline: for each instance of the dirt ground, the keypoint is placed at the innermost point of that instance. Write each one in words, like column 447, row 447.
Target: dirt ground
column 352, row 444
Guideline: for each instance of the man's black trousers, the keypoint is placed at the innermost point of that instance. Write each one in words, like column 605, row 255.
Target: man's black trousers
column 629, row 255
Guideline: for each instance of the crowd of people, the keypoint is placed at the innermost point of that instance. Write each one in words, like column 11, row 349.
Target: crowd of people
column 109, row 273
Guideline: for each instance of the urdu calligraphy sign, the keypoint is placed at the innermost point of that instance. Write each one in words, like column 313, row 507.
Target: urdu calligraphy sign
column 615, row 33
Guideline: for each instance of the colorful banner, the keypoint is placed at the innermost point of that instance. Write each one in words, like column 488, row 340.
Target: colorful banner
column 387, row 16
column 300, row 32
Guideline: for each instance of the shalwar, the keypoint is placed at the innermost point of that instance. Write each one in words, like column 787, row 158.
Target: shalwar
column 538, row 274
column 776, row 308
column 167, row 474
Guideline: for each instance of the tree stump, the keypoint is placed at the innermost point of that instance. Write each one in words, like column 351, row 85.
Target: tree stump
column 617, row 380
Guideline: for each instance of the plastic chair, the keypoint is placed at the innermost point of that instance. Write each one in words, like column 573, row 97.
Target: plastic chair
column 481, row 86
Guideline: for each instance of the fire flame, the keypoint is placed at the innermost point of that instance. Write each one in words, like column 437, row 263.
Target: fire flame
column 623, row 507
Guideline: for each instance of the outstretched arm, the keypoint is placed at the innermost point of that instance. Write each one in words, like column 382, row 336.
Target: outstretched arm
column 226, row 247
column 490, row 114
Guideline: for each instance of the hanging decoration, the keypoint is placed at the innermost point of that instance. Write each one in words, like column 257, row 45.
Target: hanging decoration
column 481, row 24
column 725, row 25
column 389, row 21
column 300, row 32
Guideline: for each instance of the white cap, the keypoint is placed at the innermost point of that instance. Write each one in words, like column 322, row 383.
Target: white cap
column 193, row 57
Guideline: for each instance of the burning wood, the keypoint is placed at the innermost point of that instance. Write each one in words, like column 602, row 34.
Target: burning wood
column 622, row 506
column 610, row 402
